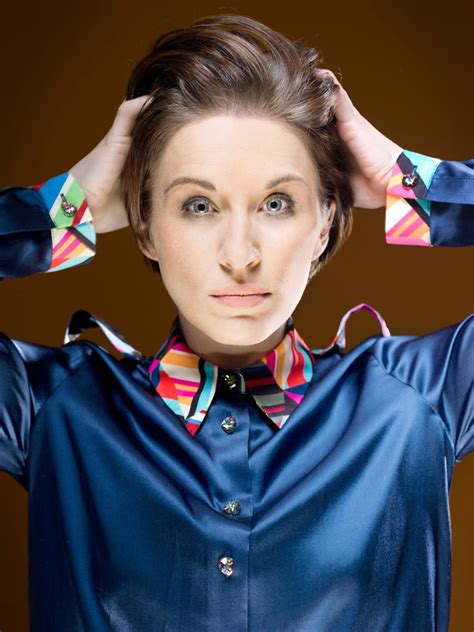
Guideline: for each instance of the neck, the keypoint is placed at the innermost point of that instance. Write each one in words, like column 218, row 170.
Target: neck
column 228, row 356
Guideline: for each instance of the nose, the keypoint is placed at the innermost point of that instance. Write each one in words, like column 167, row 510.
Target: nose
column 239, row 243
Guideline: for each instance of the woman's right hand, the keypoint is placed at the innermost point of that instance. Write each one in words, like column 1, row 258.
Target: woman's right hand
column 374, row 154
column 99, row 173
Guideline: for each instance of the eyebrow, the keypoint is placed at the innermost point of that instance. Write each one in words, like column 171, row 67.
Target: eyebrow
column 287, row 177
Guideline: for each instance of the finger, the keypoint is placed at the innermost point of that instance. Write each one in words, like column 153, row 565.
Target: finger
column 127, row 113
column 344, row 108
column 329, row 73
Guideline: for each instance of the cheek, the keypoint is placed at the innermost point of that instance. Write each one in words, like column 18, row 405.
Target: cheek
column 180, row 255
column 291, row 252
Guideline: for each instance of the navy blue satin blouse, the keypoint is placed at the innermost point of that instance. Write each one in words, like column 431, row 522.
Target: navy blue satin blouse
column 344, row 511
column 344, row 521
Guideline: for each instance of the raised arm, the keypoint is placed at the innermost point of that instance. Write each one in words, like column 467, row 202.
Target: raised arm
column 51, row 226
column 45, row 228
column 428, row 201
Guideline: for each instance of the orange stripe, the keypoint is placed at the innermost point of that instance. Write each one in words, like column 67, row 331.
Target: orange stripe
column 408, row 221
column 420, row 231
column 64, row 245
column 182, row 359
column 76, row 252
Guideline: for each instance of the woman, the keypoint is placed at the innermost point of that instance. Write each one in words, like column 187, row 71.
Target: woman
column 237, row 479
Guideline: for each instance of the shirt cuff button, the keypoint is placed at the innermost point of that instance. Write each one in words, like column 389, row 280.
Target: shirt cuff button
column 409, row 180
column 68, row 209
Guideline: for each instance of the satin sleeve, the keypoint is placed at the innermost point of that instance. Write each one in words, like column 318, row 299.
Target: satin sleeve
column 430, row 202
column 440, row 367
column 46, row 227
column 30, row 375
column 43, row 228
column 16, row 410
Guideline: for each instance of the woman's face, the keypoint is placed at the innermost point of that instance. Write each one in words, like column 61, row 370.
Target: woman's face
column 250, row 216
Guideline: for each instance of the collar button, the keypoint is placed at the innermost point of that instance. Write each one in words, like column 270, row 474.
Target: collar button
column 233, row 381
column 230, row 380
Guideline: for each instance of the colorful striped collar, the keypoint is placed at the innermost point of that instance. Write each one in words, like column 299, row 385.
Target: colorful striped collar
column 187, row 382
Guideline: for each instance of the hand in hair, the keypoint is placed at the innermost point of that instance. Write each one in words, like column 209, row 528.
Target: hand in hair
column 373, row 153
column 99, row 173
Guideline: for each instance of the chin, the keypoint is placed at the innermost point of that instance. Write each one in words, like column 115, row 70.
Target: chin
column 240, row 330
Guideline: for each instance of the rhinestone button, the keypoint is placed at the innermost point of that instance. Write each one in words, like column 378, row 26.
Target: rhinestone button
column 232, row 507
column 230, row 380
column 226, row 565
column 229, row 424
column 68, row 209
column 410, row 179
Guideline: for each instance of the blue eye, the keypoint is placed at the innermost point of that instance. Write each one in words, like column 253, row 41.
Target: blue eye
column 288, row 208
column 201, row 203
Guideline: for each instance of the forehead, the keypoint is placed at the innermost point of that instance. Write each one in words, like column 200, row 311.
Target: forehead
column 223, row 147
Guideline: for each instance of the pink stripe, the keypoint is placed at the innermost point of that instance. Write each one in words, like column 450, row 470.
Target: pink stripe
column 184, row 393
column 275, row 409
column 402, row 221
column 295, row 396
column 193, row 383
column 181, row 346
column 63, row 239
column 270, row 360
column 153, row 365
column 406, row 241
column 296, row 377
column 72, row 246
column 412, row 228
column 398, row 190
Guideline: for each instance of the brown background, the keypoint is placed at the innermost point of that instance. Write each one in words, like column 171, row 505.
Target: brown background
column 408, row 68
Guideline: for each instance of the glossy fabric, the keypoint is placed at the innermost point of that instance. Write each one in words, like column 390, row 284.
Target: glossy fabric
column 345, row 512
column 344, row 521
column 277, row 381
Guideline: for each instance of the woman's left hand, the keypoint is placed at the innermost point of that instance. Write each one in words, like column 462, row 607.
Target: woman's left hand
column 374, row 154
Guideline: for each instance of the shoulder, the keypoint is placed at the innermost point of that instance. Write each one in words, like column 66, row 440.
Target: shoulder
column 397, row 354
column 37, row 370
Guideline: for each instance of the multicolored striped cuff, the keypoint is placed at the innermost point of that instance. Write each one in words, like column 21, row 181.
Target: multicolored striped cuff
column 73, row 237
column 407, row 212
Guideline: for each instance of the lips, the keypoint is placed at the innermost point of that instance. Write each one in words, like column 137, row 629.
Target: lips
column 241, row 290
column 246, row 300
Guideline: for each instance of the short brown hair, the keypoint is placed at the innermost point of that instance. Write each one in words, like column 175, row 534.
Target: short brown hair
column 234, row 65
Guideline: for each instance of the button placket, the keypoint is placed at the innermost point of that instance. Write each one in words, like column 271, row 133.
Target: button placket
column 233, row 495
column 233, row 382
